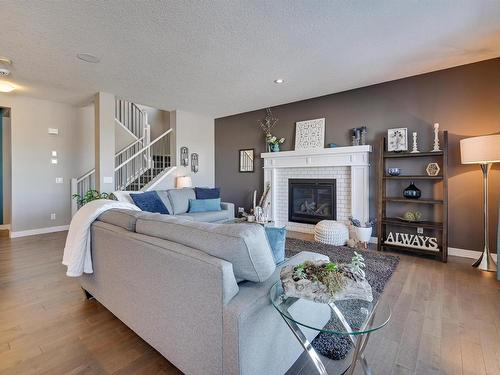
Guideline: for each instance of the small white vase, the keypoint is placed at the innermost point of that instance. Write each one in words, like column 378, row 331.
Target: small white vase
column 363, row 234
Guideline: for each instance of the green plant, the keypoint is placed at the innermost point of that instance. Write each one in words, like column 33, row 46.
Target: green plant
column 326, row 273
column 90, row 196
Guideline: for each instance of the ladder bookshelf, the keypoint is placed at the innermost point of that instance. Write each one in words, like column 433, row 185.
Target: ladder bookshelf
column 434, row 200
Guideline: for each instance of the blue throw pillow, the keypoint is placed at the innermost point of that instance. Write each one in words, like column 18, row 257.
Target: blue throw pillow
column 277, row 238
column 149, row 201
column 207, row 193
column 204, row 205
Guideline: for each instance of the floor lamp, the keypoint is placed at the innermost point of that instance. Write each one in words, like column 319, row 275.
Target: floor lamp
column 484, row 151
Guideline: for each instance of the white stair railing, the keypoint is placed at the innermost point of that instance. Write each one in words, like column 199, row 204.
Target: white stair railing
column 143, row 166
column 131, row 117
column 135, row 160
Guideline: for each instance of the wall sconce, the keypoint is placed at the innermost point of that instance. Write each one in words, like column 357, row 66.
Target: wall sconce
column 184, row 156
column 194, row 162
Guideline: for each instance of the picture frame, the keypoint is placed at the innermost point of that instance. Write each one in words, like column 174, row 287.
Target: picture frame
column 310, row 134
column 246, row 160
column 397, row 139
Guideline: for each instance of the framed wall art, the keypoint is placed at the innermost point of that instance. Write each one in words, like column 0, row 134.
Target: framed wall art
column 247, row 157
column 310, row 134
column 397, row 139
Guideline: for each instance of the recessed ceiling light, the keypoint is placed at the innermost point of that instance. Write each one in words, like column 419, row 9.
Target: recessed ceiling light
column 6, row 87
column 88, row 57
column 279, row 80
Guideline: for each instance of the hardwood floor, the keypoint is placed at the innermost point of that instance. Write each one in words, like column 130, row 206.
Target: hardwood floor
column 446, row 320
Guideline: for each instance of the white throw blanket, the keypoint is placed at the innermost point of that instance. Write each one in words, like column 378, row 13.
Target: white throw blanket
column 77, row 250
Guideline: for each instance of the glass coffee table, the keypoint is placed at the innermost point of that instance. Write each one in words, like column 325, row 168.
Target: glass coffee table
column 354, row 319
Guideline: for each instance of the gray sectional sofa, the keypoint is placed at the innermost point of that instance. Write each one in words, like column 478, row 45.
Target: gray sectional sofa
column 177, row 203
column 197, row 292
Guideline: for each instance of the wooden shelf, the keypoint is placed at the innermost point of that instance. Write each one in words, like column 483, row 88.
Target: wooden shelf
column 411, row 155
column 416, row 201
column 437, row 200
column 412, row 224
column 421, row 251
column 414, row 177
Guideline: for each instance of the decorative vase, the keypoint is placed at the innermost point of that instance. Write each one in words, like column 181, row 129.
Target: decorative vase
column 412, row 192
column 275, row 147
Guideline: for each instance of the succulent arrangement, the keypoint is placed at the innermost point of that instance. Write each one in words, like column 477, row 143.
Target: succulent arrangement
column 368, row 224
column 412, row 216
column 332, row 275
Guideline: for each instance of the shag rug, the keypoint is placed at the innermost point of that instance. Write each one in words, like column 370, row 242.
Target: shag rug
column 379, row 269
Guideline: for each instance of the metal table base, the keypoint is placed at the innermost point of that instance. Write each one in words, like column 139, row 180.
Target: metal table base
column 359, row 342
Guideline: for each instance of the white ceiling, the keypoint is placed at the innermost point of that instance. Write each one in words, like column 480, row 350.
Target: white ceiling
column 221, row 57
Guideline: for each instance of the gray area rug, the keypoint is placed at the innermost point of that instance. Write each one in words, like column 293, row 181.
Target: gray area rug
column 379, row 269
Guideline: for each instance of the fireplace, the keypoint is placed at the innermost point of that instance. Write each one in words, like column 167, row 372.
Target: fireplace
column 311, row 200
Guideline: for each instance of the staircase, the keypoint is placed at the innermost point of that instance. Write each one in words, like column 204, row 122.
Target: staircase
column 140, row 165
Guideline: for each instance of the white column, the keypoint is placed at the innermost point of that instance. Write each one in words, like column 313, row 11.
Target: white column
column 105, row 142
column 360, row 193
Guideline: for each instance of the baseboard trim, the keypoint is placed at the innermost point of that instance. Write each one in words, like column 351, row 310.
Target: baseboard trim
column 32, row 232
column 455, row 251
column 464, row 253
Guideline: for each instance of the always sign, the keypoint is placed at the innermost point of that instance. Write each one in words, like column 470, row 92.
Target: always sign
column 412, row 240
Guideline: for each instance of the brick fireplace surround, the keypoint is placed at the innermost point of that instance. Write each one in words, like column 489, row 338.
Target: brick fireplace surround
column 349, row 166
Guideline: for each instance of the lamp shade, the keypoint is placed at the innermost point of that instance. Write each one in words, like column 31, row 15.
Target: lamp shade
column 183, row 182
column 480, row 150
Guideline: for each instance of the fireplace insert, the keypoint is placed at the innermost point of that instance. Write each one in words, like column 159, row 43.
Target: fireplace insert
column 311, row 200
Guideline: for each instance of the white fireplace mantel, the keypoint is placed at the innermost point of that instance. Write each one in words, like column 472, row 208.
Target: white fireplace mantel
column 355, row 157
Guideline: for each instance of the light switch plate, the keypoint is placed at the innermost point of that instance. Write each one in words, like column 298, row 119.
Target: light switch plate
column 59, row 180
column 52, row 216
column 53, row 161
column 108, row 180
column 54, row 131
column 54, row 154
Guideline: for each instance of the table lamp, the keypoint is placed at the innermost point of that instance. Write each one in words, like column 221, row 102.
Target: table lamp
column 183, row 182
column 485, row 151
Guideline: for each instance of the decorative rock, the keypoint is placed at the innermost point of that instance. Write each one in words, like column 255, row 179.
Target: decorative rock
column 317, row 292
column 331, row 232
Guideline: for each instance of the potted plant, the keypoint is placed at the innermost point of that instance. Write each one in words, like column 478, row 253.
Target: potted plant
column 90, row 196
column 273, row 142
column 363, row 231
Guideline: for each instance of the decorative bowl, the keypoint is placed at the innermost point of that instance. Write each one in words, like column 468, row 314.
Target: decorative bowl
column 393, row 171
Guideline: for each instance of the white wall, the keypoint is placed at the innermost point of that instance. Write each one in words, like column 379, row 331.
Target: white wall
column 86, row 144
column 158, row 119
column 123, row 138
column 35, row 195
column 7, row 171
column 196, row 132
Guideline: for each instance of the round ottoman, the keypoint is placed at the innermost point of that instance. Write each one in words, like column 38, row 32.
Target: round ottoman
column 331, row 232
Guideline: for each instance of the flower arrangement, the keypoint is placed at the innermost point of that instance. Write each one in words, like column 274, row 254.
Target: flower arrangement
column 273, row 140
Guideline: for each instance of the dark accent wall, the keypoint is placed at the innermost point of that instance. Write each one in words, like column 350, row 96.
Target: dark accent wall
column 465, row 100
